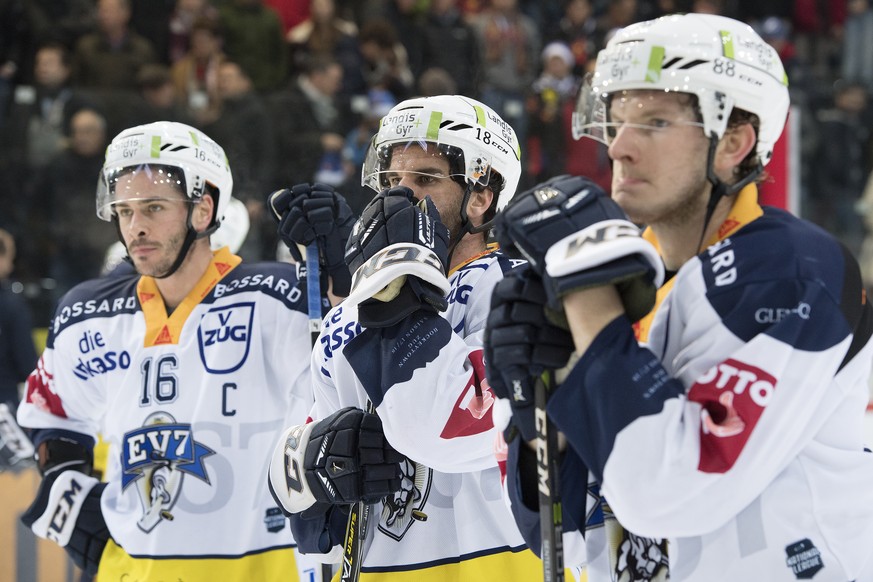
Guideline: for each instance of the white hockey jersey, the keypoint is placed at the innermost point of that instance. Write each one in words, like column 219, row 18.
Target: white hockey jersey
column 449, row 521
column 735, row 431
column 189, row 403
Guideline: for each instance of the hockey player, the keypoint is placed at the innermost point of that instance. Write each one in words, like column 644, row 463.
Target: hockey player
column 408, row 342
column 187, row 368
column 729, row 419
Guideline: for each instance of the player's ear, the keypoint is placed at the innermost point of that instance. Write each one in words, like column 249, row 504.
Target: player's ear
column 733, row 147
column 201, row 217
column 479, row 203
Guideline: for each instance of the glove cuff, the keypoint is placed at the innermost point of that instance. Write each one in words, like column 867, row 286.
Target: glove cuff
column 394, row 261
column 286, row 477
column 53, row 514
column 598, row 244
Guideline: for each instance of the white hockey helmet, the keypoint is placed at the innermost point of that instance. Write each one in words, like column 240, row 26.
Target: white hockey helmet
column 724, row 62
column 163, row 146
column 470, row 132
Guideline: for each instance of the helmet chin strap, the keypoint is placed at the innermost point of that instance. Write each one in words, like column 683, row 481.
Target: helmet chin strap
column 190, row 236
column 466, row 226
column 720, row 189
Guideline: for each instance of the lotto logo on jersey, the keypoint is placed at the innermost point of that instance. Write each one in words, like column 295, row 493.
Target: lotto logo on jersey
column 733, row 396
column 224, row 336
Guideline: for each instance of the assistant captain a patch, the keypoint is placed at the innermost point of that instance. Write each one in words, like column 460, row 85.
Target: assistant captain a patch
column 224, row 337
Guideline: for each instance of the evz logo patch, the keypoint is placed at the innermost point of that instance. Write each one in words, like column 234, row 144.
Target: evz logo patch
column 156, row 458
column 224, row 337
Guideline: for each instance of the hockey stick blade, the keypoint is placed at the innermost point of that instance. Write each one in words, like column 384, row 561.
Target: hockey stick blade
column 551, row 520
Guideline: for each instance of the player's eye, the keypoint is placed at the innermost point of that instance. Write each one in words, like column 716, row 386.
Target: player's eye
column 123, row 212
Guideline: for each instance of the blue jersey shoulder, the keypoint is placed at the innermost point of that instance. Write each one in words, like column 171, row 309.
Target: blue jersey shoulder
column 277, row 280
column 777, row 275
column 103, row 297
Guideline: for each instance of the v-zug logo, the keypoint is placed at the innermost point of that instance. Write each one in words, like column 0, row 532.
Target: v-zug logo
column 224, row 337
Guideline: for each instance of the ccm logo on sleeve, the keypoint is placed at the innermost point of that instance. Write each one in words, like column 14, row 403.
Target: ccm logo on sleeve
column 733, row 395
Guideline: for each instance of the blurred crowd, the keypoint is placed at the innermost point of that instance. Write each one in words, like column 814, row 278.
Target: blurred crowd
column 294, row 89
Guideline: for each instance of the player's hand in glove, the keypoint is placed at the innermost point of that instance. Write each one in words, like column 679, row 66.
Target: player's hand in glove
column 520, row 344
column 67, row 511
column 316, row 213
column 397, row 253
column 341, row 459
column 576, row 237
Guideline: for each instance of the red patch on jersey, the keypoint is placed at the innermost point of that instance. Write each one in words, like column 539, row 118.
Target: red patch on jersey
column 145, row 297
column 472, row 411
column 726, row 227
column 223, row 268
column 40, row 392
column 733, row 395
column 164, row 337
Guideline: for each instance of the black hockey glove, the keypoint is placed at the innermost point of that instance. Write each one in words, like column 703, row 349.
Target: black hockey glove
column 67, row 511
column 341, row 459
column 316, row 212
column 397, row 253
column 575, row 237
column 520, row 344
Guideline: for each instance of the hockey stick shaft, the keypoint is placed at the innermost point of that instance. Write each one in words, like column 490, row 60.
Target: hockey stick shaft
column 551, row 520
column 356, row 532
column 313, row 297
column 313, row 291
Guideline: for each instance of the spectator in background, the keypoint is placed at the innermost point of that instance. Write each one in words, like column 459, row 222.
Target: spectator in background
column 157, row 100
column 436, row 81
column 111, row 57
column 857, row 59
column 776, row 31
column 357, row 142
column 324, row 35
column 618, row 14
column 253, row 38
column 64, row 193
column 509, row 49
column 311, row 119
column 34, row 133
column 448, row 42
column 549, row 108
column 182, row 23
column 405, row 16
column 17, row 352
column 195, row 75
column 13, row 39
column 841, row 176
column 63, row 21
column 243, row 126
column 40, row 113
column 576, row 29
column 386, row 64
